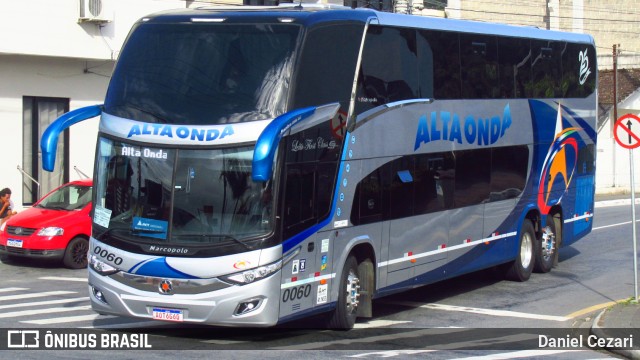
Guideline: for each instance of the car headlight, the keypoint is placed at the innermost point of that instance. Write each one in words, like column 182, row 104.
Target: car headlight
column 51, row 231
column 100, row 267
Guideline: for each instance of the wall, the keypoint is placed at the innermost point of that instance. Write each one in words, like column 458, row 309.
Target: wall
column 44, row 51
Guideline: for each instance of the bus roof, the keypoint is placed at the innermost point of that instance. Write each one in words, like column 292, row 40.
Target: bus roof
column 312, row 14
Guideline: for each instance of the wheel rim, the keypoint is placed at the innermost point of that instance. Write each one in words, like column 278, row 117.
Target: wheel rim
column 353, row 292
column 79, row 253
column 547, row 243
column 526, row 253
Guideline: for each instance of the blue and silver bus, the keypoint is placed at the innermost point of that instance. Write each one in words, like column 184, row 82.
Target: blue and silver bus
column 258, row 165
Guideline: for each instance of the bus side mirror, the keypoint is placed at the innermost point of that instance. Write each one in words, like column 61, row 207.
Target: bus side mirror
column 49, row 141
column 291, row 122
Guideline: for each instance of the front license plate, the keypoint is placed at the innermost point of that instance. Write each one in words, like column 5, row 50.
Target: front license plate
column 168, row 314
column 14, row 243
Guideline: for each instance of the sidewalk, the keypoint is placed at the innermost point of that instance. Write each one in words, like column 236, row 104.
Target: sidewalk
column 618, row 322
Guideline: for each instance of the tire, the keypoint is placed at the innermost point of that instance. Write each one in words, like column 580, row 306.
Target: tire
column 344, row 315
column 522, row 267
column 547, row 246
column 75, row 256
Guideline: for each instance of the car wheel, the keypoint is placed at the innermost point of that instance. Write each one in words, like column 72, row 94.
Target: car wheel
column 75, row 256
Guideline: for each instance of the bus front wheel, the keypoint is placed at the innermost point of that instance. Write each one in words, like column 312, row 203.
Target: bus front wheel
column 344, row 315
column 520, row 269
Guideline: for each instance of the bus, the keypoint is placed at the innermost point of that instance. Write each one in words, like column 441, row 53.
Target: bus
column 256, row 165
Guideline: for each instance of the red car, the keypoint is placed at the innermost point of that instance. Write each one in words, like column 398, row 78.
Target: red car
column 58, row 226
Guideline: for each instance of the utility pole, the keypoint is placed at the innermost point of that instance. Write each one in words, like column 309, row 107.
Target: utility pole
column 616, row 51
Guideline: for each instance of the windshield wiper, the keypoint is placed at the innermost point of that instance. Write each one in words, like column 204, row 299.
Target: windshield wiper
column 147, row 231
column 57, row 207
column 209, row 236
column 160, row 120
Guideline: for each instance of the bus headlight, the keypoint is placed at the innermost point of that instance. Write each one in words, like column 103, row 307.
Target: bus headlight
column 51, row 231
column 251, row 275
column 101, row 267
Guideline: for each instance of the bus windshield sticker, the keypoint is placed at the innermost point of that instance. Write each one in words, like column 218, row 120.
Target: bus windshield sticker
column 149, row 227
column 101, row 216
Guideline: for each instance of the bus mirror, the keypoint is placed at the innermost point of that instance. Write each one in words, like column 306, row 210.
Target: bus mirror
column 49, row 141
column 291, row 122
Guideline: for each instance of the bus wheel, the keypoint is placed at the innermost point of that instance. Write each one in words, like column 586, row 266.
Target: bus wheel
column 345, row 313
column 75, row 256
column 520, row 269
column 546, row 248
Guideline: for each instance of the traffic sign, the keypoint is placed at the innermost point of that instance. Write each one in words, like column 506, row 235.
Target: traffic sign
column 627, row 131
column 627, row 134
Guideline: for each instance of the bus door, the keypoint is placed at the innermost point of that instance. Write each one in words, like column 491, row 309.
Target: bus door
column 311, row 160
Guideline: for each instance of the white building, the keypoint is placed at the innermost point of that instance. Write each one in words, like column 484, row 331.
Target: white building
column 56, row 56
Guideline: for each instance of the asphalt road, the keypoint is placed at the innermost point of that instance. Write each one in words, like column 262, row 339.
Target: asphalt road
column 473, row 316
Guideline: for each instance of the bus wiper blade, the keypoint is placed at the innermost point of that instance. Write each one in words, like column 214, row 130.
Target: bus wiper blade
column 218, row 236
column 147, row 231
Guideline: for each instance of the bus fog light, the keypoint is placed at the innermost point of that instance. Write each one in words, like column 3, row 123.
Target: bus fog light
column 97, row 293
column 246, row 307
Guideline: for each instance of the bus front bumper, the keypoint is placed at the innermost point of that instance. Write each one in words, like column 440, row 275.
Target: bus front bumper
column 255, row 304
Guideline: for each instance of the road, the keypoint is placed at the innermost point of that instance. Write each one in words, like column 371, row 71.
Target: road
column 477, row 311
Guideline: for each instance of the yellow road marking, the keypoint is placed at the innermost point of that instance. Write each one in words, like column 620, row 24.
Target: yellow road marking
column 593, row 308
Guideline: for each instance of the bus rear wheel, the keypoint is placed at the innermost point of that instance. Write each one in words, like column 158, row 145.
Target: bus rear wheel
column 344, row 315
column 547, row 247
column 522, row 267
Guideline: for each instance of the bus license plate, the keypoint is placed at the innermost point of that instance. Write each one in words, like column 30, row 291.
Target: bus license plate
column 168, row 314
column 14, row 243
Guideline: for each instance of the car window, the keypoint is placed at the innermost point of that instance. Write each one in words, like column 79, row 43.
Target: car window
column 70, row 197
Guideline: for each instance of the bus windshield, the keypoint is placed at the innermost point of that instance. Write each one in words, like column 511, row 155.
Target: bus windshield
column 179, row 196
column 203, row 73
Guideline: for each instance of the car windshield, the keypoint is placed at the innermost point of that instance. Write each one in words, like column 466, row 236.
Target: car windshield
column 179, row 196
column 70, row 197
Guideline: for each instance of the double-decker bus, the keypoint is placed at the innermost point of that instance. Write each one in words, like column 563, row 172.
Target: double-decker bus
column 258, row 165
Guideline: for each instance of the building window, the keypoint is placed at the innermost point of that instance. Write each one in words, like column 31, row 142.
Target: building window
column 38, row 113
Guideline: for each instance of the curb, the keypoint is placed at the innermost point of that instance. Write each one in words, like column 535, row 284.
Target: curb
column 600, row 332
column 615, row 202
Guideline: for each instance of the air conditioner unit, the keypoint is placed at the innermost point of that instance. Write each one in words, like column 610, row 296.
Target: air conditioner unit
column 94, row 11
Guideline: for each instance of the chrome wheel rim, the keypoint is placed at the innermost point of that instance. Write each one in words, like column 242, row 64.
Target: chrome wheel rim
column 526, row 250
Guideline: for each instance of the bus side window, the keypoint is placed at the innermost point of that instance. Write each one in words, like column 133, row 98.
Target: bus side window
column 472, row 177
column 298, row 198
column 367, row 204
column 578, row 69
column 546, row 68
column 439, row 64
column 508, row 171
column 515, row 67
column 479, row 58
column 389, row 69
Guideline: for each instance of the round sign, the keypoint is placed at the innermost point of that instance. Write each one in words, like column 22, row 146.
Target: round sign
column 627, row 131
